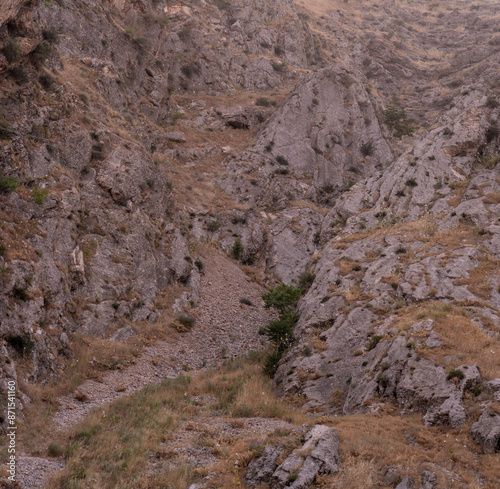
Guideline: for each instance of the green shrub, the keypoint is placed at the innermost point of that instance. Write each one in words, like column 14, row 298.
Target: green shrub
column 397, row 120
column 46, row 80
column 278, row 50
column 11, row 51
column 383, row 381
column 280, row 331
column 6, row 132
column 271, row 363
column 222, row 4
column 214, row 225
column 39, row 195
column 455, row 373
column 492, row 131
column 19, row 74
column 186, row 321
column 263, row 102
column 282, row 160
column 305, row 281
column 8, row 184
column 492, row 102
column 411, row 182
column 54, row 450
column 237, row 249
column 246, row 301
column 367, row 148
column 199, row 264
column 22, row 343
column 282, row 171
column 374, row 341
column 50, row 35
column 239, row 220
column 283, row 297
column 191, row 69
column 41, row 53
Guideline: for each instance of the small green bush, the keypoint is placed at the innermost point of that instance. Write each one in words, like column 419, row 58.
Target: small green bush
column 367, row 148
column 263, row 102
column 374, row 341
column 222, row 4
column 46, row 80
column 239, row 220
column 397, row 120
column 186, row 321
column 41, row 53
column 455, row 373
column 246, row 301
column 50, row 35
column 11, row 51
column 282, row 160
column 8, row 184
column 22, row 343
column 54, row 450
column 383, row 381
column 39, row 195
column 214, row 225
column 278, row 50
column 283, row 297
column 237, row 249
column 6, row 132
column 492, row 102
column 271, row 363
column 492, row 131
column 305, row 280
column 19, row 74
column 411, row 182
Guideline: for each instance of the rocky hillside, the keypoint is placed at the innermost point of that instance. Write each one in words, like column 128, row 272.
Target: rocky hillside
column 150, row 147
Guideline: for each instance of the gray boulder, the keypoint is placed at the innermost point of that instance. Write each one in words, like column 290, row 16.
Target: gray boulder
column 261, row 469
column 428, row 480
column 406, row 483
column 319, row 455
column 486, row 431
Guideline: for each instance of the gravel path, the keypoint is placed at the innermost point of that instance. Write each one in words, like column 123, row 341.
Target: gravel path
column 33, row 472
column 224, row 328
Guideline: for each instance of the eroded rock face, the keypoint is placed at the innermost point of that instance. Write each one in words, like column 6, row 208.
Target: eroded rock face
column 260, row 470
column 486, row 431
column 326, row 131
column 10, row 8
column 318, row 455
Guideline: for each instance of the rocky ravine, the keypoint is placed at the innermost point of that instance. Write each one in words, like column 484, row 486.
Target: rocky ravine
column 132, row 131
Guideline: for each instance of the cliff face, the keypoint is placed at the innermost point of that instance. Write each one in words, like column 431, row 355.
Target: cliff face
column 359, row 146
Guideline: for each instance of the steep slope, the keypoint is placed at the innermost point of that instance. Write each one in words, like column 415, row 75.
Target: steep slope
column 347, row 145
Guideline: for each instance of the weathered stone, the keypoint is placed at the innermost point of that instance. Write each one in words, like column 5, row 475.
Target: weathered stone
column 176, row 137
column 486, row 431
column 318, row 455
column 261, row 469
column 406, row 483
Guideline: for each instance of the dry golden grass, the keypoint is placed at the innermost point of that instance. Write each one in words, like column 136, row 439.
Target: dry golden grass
column 461, row 337
column 112, row 446
column 93, row 357
column 370, row 442
column 479, row 280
